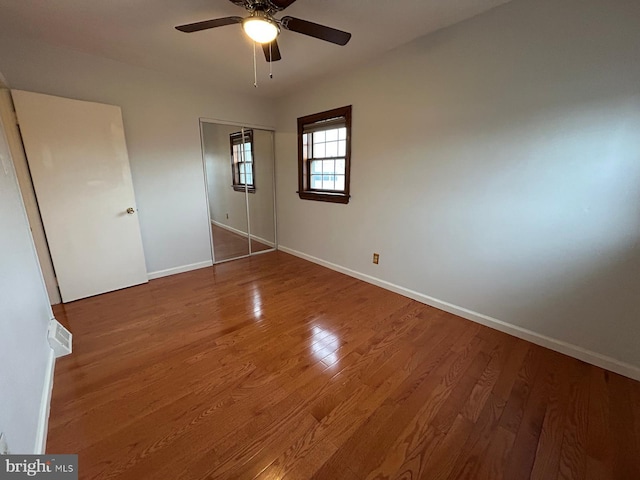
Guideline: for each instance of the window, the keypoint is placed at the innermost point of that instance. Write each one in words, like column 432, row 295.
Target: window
column 242, row 161
column 324, row 151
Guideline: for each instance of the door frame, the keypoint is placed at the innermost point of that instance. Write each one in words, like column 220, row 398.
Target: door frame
column 23, row 175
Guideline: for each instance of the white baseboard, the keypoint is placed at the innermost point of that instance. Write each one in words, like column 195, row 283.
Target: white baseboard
column 240, row 232
column 45, row 406
column 566, row 348
column 176, row 270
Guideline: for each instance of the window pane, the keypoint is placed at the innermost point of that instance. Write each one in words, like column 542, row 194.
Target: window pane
column 316, row 181
column 242, row 178
column 332, row 149
column 250, row 179
column 328, row 183
column 340, row 166
column 316, row 166
column 241, row 166
column 328, row 166
column 340, row 182
column 247, row 157
column 332, row 135
column 342, row 148
column 319, row 137
column 342, row 133
column 319, row 150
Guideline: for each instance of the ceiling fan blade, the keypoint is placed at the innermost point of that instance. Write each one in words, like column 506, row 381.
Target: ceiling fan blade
column 316, row 30
column 271, row 54
column 240, row 3
column 280, row 4
column 218, row 22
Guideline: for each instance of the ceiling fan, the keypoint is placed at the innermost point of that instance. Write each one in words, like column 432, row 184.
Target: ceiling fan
column 262, row 27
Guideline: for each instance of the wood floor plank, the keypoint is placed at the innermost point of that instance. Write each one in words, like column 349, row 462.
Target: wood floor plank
column 369, row 442
column 469, row 455
column 520, row 463
column 301, row 460
column 274, row 367
column 419, row 436
column 626, row 443
column 520, row 390
column 260, row 448
column 481, row 391
column 547, row 459
column 573, row 458
column 599, row 442
column 434, row 458
column 496, row 456
column 509, row 373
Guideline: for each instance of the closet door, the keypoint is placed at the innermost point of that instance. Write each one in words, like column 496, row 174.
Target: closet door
column 223, row 151
column 239, row 164
column 262, row 201
column 79, row 164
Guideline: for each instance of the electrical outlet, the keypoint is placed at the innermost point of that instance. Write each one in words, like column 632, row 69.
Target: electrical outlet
column 4, row 447
column 376, row 258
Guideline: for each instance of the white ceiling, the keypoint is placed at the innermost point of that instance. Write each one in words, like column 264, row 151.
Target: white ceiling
column 141, row 32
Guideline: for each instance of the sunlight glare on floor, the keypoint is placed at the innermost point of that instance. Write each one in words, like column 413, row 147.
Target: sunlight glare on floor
column 324, row 345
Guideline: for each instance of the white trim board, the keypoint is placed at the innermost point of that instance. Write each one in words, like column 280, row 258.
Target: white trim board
column 566, row 348
column 240, row 232
column 181, row 269
column 45, row 406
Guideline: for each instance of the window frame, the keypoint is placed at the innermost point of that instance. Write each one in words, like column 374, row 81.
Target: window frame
column 304, row 164
column 235, row 166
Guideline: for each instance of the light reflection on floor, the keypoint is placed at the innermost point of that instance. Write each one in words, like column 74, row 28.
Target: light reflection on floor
column 257, row 304
column 324, row 345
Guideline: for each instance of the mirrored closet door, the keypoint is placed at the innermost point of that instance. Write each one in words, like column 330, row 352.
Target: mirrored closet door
column 239, row 170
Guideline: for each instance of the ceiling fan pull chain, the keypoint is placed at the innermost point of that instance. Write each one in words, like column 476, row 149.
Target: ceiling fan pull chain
column 270, row 61
column 255, row 68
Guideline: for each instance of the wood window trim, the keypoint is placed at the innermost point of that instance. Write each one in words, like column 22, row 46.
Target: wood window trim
column 235, row 175
column 241, row 188
column 304, row 190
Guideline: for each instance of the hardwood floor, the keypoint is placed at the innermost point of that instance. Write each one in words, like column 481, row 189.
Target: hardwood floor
column 271, row 367
column 229, row 245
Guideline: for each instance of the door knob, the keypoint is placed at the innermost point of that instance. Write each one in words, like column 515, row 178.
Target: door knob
column 130, row 211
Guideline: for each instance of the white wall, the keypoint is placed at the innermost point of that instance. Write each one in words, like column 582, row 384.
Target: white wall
column 162, row 129
column 496, row 167
column 24, row 318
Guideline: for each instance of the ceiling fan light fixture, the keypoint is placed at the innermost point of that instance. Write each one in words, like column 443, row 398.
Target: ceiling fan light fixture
column 260, row 28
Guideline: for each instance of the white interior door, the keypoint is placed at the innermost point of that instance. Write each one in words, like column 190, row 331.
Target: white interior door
column 80, row 169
